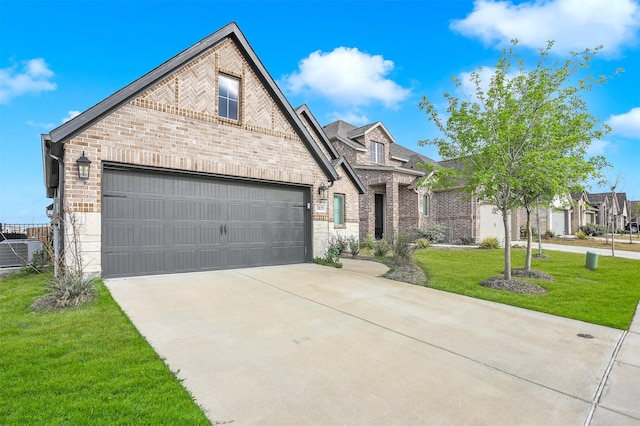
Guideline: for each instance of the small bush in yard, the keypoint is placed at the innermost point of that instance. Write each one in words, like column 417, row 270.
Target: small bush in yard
column 593, row 230
column 581, row 235
column 433, row 232
column 523, row 232
column 490, row 243
column 381, row 247
column 401, row 247
column 68, row 291
column 423, row 243
column 338, row 243
column 354, row 245
column 467, row 241
column 369, row 242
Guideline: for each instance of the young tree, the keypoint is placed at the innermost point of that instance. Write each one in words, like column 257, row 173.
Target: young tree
column 522, row 135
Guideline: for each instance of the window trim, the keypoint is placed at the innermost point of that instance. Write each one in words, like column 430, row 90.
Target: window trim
column 228, row 99
column 343, row 197
column 373, row 152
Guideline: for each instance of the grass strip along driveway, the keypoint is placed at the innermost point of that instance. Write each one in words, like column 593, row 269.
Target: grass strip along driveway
column 607, row 296
column 81, row 366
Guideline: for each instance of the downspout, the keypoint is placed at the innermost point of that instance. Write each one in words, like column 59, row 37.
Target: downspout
column 58, row 226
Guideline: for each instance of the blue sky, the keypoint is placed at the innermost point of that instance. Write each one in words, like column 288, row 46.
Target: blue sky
column 361, row 61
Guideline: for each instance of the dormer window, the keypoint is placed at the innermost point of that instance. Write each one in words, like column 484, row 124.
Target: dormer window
column 228, row 97
column 377, row 153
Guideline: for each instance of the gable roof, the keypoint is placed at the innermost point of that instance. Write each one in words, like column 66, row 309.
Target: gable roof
column 598, row 198
column 622, row 199
column 338, row 128
column 337, row 159
column 53, row 140
column 360, row 131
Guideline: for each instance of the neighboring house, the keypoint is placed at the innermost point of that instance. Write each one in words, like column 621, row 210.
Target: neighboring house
column 556, row 216
column 611, row 209
column 634, row 210
column 623, row 210
column 343, row 208
column 200, row 164
column 392, row 202
column 582, row 211
column 601, row 203
column 396, row 201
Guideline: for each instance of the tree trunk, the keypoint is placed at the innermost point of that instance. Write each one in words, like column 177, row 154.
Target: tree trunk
column 527, row 258
column 507, row 243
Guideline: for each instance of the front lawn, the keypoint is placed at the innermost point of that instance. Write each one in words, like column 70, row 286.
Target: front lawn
column 607, row 296
column 86, row 366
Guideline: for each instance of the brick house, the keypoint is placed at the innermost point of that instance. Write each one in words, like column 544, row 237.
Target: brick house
column 392, row 203
column 199, row 164
column 343, row 208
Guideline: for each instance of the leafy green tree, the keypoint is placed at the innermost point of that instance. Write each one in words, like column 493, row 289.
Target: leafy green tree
column 521, row 136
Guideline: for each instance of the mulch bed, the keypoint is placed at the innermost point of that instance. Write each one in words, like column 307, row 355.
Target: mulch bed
column 515, row 286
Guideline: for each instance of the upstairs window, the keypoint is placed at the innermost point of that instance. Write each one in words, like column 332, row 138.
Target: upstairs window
column 228, row 95
column 425, row 205
column 377, row 153
column 338, row 209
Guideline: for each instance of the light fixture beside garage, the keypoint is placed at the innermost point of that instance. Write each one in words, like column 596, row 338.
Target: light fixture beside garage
column 324, row 192
column 83, row 167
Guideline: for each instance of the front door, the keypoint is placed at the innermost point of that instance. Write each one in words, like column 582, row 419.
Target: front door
column 379, row 213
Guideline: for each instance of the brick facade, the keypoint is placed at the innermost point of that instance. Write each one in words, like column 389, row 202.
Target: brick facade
column 175, row 125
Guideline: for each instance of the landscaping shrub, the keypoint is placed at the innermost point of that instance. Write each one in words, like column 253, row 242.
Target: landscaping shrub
column 467, row 241
column 369, row 242
column 381, row 247
column 338, row 243
column 67, row 291
column 423, row 243
column 433, row 232
column 593, row 230
column 523, row 232
column 490, row 243
column 354, row 245
column 581, row 235
column 401, row 247
column 549, row 234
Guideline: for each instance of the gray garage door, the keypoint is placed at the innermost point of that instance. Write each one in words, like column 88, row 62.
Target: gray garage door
column 160, row 223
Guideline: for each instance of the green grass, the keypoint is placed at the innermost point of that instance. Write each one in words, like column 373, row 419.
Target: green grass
column 82, row 366
column 607, row 296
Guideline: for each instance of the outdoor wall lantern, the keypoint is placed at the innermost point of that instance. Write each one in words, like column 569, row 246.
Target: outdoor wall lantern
column 324, row 192
column 83, row 167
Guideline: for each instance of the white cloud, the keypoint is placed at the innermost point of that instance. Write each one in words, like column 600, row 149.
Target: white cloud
column 71, row 115
column 627, row 124
column 346, row 76
column 573, row 24
column 30, row 77
column 354, row 117
column 49, row 126
column 598, row 147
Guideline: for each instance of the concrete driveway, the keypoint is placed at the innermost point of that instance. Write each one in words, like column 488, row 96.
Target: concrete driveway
column 307, row 344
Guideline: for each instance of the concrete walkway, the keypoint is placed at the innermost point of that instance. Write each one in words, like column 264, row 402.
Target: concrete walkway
column 306, row 344
column 583, row 250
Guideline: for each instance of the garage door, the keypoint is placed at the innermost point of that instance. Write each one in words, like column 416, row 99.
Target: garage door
column 161, row 223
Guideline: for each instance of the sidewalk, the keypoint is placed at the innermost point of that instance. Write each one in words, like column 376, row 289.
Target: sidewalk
column 582, row 250
column 619, row 393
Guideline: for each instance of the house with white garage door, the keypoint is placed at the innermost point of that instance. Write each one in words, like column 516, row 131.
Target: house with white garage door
column 200, row 164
